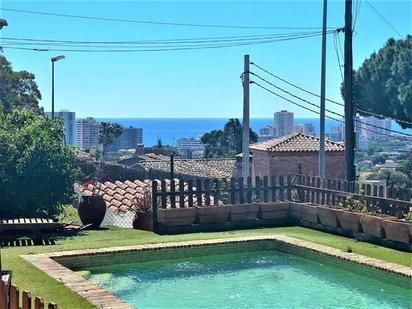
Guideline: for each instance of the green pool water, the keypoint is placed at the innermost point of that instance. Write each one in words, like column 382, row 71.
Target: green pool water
column 247, row 280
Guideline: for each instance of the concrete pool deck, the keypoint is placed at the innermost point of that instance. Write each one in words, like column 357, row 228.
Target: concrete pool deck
column 52, row 263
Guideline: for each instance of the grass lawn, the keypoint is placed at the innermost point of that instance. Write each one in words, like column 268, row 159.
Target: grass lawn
column 30, row 278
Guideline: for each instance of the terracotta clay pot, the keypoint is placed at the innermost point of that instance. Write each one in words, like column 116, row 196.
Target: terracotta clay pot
column 143, row 221
column 308, row 213
column 327, row 216
column 243, row 212
column 213, row 214
column 91, row 210
column 276, row 210
column 349, row 221
column 176, row 216
column 397, row 230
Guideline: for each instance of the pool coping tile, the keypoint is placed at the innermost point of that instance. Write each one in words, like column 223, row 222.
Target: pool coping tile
column 47, row 262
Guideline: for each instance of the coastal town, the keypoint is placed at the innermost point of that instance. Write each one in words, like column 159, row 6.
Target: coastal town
column 211, row 154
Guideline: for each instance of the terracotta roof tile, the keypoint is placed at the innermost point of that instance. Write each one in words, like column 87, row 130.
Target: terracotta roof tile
column 297, row 142
column 118, row 199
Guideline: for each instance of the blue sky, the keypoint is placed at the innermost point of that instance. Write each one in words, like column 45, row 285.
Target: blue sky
column 199, row 83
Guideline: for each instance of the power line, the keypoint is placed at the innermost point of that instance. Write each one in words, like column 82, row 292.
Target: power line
column 328, row 110
column 383, row 116
column 264, row 41
column 383, row 18
column 147, row 43
column 293, row 95
column 151, row 22
column 327, row 116
column 166, row 41
column 332, row 101
column 293, row 85
column 335, row 37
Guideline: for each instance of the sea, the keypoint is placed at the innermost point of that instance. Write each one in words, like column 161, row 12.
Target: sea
column 169, row 130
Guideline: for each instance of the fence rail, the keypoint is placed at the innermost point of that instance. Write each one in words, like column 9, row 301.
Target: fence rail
column 214, row 192
column 10, row 298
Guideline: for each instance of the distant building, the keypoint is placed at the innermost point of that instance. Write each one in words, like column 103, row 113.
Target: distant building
column 87, row 133
column 69, row 122
column 298, row 128
column 372, row 127
column 281, row 156
column 130, row 138
column 266, row 131
column 309, row 129
column 283, row 123
column 190, row 147
column 337, row 133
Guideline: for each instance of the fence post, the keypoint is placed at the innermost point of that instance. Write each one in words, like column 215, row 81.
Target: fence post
column 281, row 190
column 38, row 303
column 154, row 203
column 257, row 186
column 181, row 193
column 266, row 188
column 190, row 191
column 241, row 190
column 273, row 188
column 207, row 192
column 233, row 190
column 172, row 193
column 26, row 297
column 3, row 295
column 14, row 297
column 163, row 192
column 249, row 190
column 199, row 191
column 289, row 188
column 217, row 191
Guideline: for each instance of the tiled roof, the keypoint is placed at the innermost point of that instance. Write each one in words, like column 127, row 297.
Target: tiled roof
column 210, row 168
column 129, row 195
column 297, row 142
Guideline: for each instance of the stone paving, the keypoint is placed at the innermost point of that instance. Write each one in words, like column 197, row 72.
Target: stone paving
column 104, row 299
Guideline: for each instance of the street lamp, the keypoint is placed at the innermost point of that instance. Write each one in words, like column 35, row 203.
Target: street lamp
column 53, row 60
column 3, row 23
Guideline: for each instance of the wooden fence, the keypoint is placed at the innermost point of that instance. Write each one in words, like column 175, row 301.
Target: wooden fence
column 331, row 192
column 10, row 299
column 208, row 192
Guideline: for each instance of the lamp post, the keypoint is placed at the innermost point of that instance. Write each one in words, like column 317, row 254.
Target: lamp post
column 53, row 60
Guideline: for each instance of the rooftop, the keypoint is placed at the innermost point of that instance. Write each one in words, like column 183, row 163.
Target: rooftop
column 123, row 196
column 297, row 142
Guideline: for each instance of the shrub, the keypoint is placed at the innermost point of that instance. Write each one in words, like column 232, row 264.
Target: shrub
column 37, row 169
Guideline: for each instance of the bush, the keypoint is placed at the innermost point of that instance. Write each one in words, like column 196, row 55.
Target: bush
column 37, row 170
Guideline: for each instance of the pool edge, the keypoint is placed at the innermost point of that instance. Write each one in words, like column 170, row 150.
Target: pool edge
column 47, row 262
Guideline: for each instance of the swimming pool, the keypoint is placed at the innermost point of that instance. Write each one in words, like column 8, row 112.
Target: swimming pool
column 259, row 279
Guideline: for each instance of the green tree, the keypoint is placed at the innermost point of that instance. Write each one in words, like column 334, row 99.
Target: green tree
column 378, row 159
column 37, row 170
column 383, row 83
column 405, row 164
column 226, row 142
column 18, row 89
column 108, row 132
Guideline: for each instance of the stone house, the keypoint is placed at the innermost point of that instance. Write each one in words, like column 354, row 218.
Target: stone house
column 282, row 155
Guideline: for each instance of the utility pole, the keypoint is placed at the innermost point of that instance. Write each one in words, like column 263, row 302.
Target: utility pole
column 53, row 89
column 348, row 97
column 245, row 144
column 322, row 93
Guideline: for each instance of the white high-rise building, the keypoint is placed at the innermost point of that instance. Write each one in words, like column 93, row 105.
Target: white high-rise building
column 283, row 123
column 372, row 127
column 87, row 133
column 69, row 122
